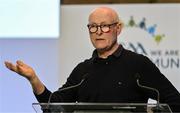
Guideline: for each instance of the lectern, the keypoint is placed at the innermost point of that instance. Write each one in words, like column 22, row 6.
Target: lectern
column 99, row 108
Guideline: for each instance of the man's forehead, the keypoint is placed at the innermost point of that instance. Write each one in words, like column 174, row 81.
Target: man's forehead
column 103, row 15
column 102, row 19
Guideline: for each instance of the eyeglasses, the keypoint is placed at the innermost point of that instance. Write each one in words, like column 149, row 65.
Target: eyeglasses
column 93, row 28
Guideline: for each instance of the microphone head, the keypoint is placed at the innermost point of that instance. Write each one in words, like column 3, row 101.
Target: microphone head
column 137, row 76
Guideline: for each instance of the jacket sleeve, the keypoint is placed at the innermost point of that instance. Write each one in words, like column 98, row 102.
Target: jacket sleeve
column 152, row 77
column 69, row 95
column 43, row 98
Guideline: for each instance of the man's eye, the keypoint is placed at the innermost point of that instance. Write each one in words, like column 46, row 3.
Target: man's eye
column 93, row 26
column 104, row 25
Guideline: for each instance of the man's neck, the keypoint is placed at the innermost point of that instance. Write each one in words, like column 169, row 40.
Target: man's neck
column 105, row 53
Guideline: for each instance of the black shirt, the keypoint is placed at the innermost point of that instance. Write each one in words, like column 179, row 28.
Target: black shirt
column 114, row 80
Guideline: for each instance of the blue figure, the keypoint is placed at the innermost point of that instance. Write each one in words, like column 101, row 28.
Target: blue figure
column 142, row 24
column 152, row 29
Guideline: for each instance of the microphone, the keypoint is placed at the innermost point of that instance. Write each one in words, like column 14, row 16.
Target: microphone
column 157, row 108
column 66, row 88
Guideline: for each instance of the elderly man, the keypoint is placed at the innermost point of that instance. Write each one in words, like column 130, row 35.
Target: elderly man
column 109, row 75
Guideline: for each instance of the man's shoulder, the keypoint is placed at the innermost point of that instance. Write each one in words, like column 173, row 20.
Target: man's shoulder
column 81, row 69
column 131, row 55
column 84, row 65
column 86, row 62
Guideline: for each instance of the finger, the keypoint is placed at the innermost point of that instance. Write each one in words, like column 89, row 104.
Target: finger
column 20, row 63
column 10, row 66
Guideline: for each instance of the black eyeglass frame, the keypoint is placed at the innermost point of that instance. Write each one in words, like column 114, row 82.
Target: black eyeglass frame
column 101, row 27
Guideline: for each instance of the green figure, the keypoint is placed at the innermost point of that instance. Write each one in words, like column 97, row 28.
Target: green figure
column 158, row 38
column 131, row 22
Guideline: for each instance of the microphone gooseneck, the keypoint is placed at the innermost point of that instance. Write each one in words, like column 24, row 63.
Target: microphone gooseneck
column 158, row 108
column 67, row 88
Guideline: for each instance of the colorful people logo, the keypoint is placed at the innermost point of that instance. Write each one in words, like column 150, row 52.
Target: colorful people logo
column 149, row 29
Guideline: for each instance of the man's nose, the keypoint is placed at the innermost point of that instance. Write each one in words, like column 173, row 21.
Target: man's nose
column 99, row 32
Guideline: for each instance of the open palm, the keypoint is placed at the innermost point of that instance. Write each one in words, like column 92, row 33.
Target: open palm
column 21, row 68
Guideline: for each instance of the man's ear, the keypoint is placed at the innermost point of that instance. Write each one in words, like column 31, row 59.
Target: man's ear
column 119, row 28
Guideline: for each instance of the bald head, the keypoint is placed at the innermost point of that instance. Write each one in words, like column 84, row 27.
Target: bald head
column 105, row 14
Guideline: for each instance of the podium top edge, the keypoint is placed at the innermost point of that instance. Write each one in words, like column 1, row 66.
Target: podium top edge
column 84, row 103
